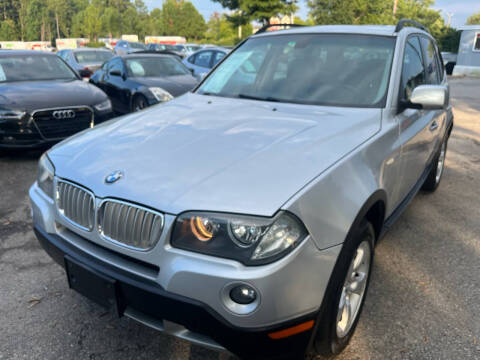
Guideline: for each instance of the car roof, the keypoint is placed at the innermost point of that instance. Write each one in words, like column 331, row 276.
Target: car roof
column 90, row 49
column 214, row 48
column 6, row 53
column 384, row 30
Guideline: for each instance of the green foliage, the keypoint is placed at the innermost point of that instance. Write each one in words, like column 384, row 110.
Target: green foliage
column 181, row 18
column 474, row 19
column 49, row 19
column 95, row 44
column 259, row 10
column 449, row 39
column 381, row 12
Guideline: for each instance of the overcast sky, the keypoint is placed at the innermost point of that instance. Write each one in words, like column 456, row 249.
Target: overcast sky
column 461, row 9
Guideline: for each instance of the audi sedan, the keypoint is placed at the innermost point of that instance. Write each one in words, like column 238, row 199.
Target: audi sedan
column 42, row 100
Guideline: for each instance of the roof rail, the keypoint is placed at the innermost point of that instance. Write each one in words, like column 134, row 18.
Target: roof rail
column 405, row 22
column 268, row 26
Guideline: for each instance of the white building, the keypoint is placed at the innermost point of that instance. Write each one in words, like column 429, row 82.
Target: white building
column 468, row 60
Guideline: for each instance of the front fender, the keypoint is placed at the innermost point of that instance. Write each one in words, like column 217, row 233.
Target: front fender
column 332, row 204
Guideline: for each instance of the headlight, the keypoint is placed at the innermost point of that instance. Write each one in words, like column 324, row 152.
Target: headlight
column 11, row 114
column 250, row 240
column 160, row 94
column 45, row 175
column 103, row 106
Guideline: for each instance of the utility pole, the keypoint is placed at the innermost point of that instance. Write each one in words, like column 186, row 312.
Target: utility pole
column 395, row 4
column 449, row 17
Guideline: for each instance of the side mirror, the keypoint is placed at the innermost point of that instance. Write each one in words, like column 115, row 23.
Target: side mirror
column 430, row 97
column 115, row 73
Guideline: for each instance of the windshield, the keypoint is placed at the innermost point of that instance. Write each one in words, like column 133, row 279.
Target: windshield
column 317, row 69
column 92, row 57
column 155, row 67
column 34, row 68
column 135, row 45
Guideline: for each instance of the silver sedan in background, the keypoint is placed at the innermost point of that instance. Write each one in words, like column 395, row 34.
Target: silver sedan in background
column 202, row 61
column 85, row 61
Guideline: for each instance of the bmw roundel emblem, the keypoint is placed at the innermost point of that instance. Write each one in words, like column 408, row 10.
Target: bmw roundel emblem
column 113, row 177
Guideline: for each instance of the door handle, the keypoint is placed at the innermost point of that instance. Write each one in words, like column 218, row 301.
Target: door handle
column 433, row 126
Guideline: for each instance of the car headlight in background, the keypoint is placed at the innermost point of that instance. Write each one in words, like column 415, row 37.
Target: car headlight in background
column 45, row 175
column 160, row 94
column 11, row 114
column 248, row 239
column 104, row 106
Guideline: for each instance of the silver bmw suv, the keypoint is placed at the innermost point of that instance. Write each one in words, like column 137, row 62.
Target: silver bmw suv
column 244, row 215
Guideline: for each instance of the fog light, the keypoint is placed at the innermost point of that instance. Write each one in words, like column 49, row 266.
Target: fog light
column 243, row 294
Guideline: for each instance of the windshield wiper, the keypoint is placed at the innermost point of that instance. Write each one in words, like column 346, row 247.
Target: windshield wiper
column 252, row 97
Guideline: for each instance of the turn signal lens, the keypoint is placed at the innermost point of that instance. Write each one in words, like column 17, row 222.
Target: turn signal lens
column 291, row 331
column 202, row 228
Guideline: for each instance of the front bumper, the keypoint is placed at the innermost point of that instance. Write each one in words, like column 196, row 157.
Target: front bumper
column 180, row 292
column 23, row 134
column 147, row 302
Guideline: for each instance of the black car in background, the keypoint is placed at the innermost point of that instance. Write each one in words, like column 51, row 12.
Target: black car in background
column 136, row 81
column 85, row 61
column 42, row 100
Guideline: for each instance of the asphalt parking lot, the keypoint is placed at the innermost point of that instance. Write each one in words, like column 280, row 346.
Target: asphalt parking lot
column 423, row 303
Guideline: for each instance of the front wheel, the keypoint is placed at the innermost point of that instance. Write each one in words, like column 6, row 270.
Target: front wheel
column 435, row 175
column 139, row 103
column 346, row 292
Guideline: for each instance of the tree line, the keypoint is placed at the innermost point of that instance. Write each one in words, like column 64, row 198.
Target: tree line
column 30, row 20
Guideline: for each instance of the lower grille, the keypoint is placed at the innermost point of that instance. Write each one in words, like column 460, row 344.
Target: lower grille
column 130, row 225
column 66, row 123
column 76, row 205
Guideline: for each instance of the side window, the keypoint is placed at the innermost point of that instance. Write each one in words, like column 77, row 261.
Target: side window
column 476, row 42
column 431, row 64
column 218, row 56
column 203, row 59
column 413, row 71
column 191, row 59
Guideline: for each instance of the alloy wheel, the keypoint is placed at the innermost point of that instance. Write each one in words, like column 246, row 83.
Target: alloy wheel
column 353, row 289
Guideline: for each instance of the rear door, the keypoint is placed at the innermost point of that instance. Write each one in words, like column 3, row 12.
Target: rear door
column 414, row 133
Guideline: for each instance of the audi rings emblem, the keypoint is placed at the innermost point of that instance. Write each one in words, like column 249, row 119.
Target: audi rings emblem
column 64, row 114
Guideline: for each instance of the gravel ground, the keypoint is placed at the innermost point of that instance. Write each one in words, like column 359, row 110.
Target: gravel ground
column 423, row 301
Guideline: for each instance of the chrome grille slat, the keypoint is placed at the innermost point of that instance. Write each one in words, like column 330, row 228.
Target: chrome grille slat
column 76, row 205
column 130, row 225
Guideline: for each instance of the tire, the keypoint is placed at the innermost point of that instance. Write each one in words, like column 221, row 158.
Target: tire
column 334, row 326
column 139, row 103
column 435, row 175
column 449, row 68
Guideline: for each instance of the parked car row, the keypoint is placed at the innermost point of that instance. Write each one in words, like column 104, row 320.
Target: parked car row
column 44, row 100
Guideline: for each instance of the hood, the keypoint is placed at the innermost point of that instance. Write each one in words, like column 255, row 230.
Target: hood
column 214, row 154
column 175, row 85
column 34, row 95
